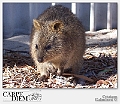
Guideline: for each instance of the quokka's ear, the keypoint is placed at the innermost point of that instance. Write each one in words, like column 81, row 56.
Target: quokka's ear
column 57, row 26
column 37, row 24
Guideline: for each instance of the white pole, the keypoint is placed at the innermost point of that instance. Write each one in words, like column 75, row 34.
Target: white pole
column 74, row 8
column 108, row 17
column 92, row 15
column 53, row 4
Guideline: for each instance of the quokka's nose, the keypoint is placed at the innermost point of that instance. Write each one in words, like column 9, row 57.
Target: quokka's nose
column 40, row 59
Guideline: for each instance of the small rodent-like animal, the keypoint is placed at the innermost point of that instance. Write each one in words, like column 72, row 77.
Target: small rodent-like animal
column 57, row 41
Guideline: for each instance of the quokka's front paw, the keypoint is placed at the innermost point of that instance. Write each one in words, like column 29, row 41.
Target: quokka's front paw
column 45, row 69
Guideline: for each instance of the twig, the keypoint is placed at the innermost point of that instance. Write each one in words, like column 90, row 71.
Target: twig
column 80, row 76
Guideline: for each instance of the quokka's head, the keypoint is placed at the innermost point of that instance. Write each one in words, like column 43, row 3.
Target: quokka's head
column 48, row 39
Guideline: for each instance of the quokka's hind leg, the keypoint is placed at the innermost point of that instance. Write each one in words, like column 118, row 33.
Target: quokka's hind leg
column 76, row 70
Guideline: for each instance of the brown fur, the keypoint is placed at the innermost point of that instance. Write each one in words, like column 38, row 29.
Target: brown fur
column 58, row 40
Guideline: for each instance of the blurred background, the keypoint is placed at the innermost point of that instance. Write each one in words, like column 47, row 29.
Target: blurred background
column 17, row 17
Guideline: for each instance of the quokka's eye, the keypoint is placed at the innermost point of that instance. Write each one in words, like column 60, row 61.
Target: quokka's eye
column 48, row 47
column 36, row 46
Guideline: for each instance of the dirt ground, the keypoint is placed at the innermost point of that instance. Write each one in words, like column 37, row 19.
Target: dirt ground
column 100, row 64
